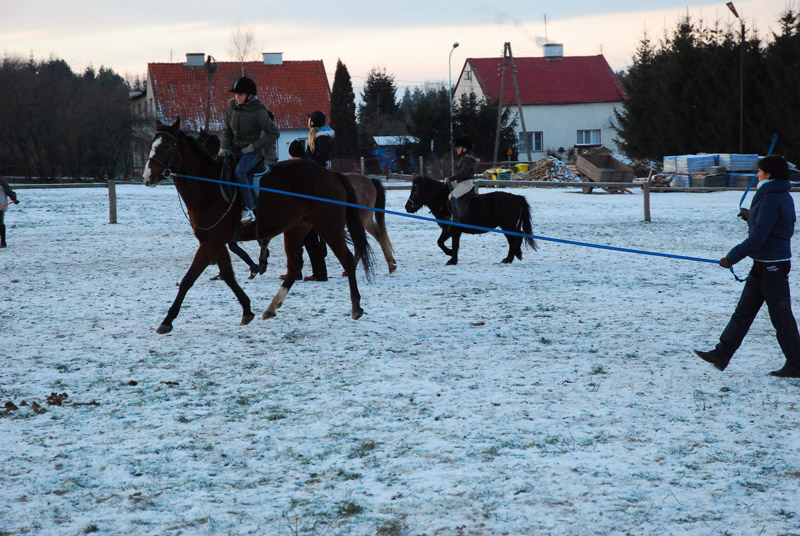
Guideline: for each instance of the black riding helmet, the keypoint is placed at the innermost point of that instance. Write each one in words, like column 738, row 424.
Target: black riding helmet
column 244, row 85
column 317, row 119
column 463, row 141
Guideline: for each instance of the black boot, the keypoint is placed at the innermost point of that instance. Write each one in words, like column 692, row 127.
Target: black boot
column 788, row 371
column 712, row 357
column 2, row 236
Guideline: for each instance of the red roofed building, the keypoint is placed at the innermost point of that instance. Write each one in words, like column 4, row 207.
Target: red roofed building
column 197, row 91
column 566, row 101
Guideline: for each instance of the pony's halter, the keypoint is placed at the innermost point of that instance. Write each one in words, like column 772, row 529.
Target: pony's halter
column 166, row 172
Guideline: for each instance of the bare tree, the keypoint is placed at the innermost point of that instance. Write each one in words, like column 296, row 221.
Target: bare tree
column 243, row 44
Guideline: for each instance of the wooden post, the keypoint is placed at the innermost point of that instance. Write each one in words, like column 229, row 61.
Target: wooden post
column 421, row 170
column 112, row 201
column 362, row 165
column 646, row 192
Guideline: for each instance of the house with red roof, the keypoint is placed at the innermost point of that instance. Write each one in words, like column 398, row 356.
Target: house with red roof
column 198, row 91
column 566, row 101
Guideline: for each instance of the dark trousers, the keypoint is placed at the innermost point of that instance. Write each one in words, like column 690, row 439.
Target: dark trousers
column 767, row 282
column 316, row 253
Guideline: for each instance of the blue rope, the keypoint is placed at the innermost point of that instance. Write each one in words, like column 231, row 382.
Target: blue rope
column 753, row 180
column 459, row 224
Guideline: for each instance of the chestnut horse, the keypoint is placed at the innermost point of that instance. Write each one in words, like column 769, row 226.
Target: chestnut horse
column 215, row 218
column 507, row 211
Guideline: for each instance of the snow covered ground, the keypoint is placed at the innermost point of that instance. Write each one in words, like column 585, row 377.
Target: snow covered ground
column 557, row 395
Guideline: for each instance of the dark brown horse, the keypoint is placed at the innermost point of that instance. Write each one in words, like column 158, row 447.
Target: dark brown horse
column 215, row 218
column 507, row 211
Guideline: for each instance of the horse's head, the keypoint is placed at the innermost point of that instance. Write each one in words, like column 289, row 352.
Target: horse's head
column 422, row 190
column 164, row 153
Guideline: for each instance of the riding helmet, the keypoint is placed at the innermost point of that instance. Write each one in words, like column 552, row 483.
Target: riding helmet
column 297, row 149
column 244, row 85
column 463, row 141
column 317, row 119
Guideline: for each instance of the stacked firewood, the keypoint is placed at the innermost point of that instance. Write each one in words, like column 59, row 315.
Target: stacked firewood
column 551, row 169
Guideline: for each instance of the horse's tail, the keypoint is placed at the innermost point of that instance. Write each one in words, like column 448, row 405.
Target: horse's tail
column 358, row 236
column 525, row 218
column 380, row 202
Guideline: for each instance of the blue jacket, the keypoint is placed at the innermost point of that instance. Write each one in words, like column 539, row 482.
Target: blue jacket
column 771, row 225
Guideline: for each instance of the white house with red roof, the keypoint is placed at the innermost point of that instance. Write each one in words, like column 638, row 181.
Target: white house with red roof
column 197, row 91
column 567, row 101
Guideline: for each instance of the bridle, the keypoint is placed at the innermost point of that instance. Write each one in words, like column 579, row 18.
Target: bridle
column 166, row 172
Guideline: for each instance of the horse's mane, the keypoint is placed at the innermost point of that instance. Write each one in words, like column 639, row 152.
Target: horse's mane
column 197, row 146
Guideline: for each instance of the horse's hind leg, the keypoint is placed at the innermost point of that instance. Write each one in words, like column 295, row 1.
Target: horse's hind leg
column 226, row 272
column 514, row 248
column 293, row 246
column 383, row 239
column 338, row 245
column 263, row 256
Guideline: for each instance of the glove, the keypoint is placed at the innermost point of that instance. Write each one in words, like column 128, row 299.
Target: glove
column 247, row 150
column 223, row 152
column 725, row 263
column 744, row 213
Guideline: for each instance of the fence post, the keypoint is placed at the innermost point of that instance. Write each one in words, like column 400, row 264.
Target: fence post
column 362, row 165
column 646, row 192
column 112, row 201
column 421, row 165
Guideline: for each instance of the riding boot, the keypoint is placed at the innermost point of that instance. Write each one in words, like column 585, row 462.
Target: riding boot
column 2, row 236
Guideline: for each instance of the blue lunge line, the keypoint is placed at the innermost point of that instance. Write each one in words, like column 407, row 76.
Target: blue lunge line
column 771, row 147
column 448, row 222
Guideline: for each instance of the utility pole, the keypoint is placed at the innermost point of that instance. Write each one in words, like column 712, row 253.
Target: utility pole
column 508, row 58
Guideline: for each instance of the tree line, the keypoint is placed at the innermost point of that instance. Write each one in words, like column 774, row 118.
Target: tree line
column 55, row 123
column 683, row 96
column 683, row 92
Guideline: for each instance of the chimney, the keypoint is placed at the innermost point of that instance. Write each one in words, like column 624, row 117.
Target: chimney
column 195, row 59
column 273, row 58
column 553, row 50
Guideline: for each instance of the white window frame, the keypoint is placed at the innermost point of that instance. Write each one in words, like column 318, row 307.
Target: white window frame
column 589, row 137
column 536, row 139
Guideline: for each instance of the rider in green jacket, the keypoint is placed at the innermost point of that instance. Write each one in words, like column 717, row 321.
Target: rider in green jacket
column 251, row 135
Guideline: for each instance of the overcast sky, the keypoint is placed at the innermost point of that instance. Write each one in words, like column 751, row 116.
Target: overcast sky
column 412, row 39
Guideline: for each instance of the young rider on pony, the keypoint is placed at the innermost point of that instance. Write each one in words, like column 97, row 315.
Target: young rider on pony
column 463, row 177
column 250, row 135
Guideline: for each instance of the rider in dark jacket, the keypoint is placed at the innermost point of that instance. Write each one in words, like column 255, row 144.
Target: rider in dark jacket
column 464, row 174
column 770, row 221
column 251, row 135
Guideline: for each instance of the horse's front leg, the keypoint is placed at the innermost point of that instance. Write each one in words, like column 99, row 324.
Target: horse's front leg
column 442, row 237
column 204, row 256
column 455, row 243
column 293, row 246
column 227, row 275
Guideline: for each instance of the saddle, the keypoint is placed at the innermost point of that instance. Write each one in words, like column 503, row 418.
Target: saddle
column 227, row 188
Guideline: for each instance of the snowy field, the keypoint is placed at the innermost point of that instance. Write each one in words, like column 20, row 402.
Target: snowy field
column 558, row 395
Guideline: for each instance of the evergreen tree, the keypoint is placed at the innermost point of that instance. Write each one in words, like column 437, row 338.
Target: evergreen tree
column 343, row 114
column 782, row 87
column 379, row 114
column 477, row 119
column 426, row 113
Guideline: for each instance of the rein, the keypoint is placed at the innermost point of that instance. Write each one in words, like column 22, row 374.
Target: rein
column 166, row 173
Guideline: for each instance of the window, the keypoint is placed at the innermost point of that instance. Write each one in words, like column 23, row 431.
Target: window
column 535, row 140
column 467, row 75
column 588, row 137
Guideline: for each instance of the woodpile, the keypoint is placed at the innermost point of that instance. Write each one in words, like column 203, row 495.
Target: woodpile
column 551, row 169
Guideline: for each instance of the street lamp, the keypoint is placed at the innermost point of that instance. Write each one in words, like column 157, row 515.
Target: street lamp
column 450, row 94
column 741, row 80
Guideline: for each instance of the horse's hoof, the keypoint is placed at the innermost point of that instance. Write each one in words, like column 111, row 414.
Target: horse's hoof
column 268, row 314
column 451, row 262
column 392, row 268
column 357, row 313
column 246, row 319
column 163, row 328
column 507, row 261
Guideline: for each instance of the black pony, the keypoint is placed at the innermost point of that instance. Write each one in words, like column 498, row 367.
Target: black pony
column 507, row 211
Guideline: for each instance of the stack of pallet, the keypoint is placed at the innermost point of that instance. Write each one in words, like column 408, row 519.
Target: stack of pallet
column 550, row 169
